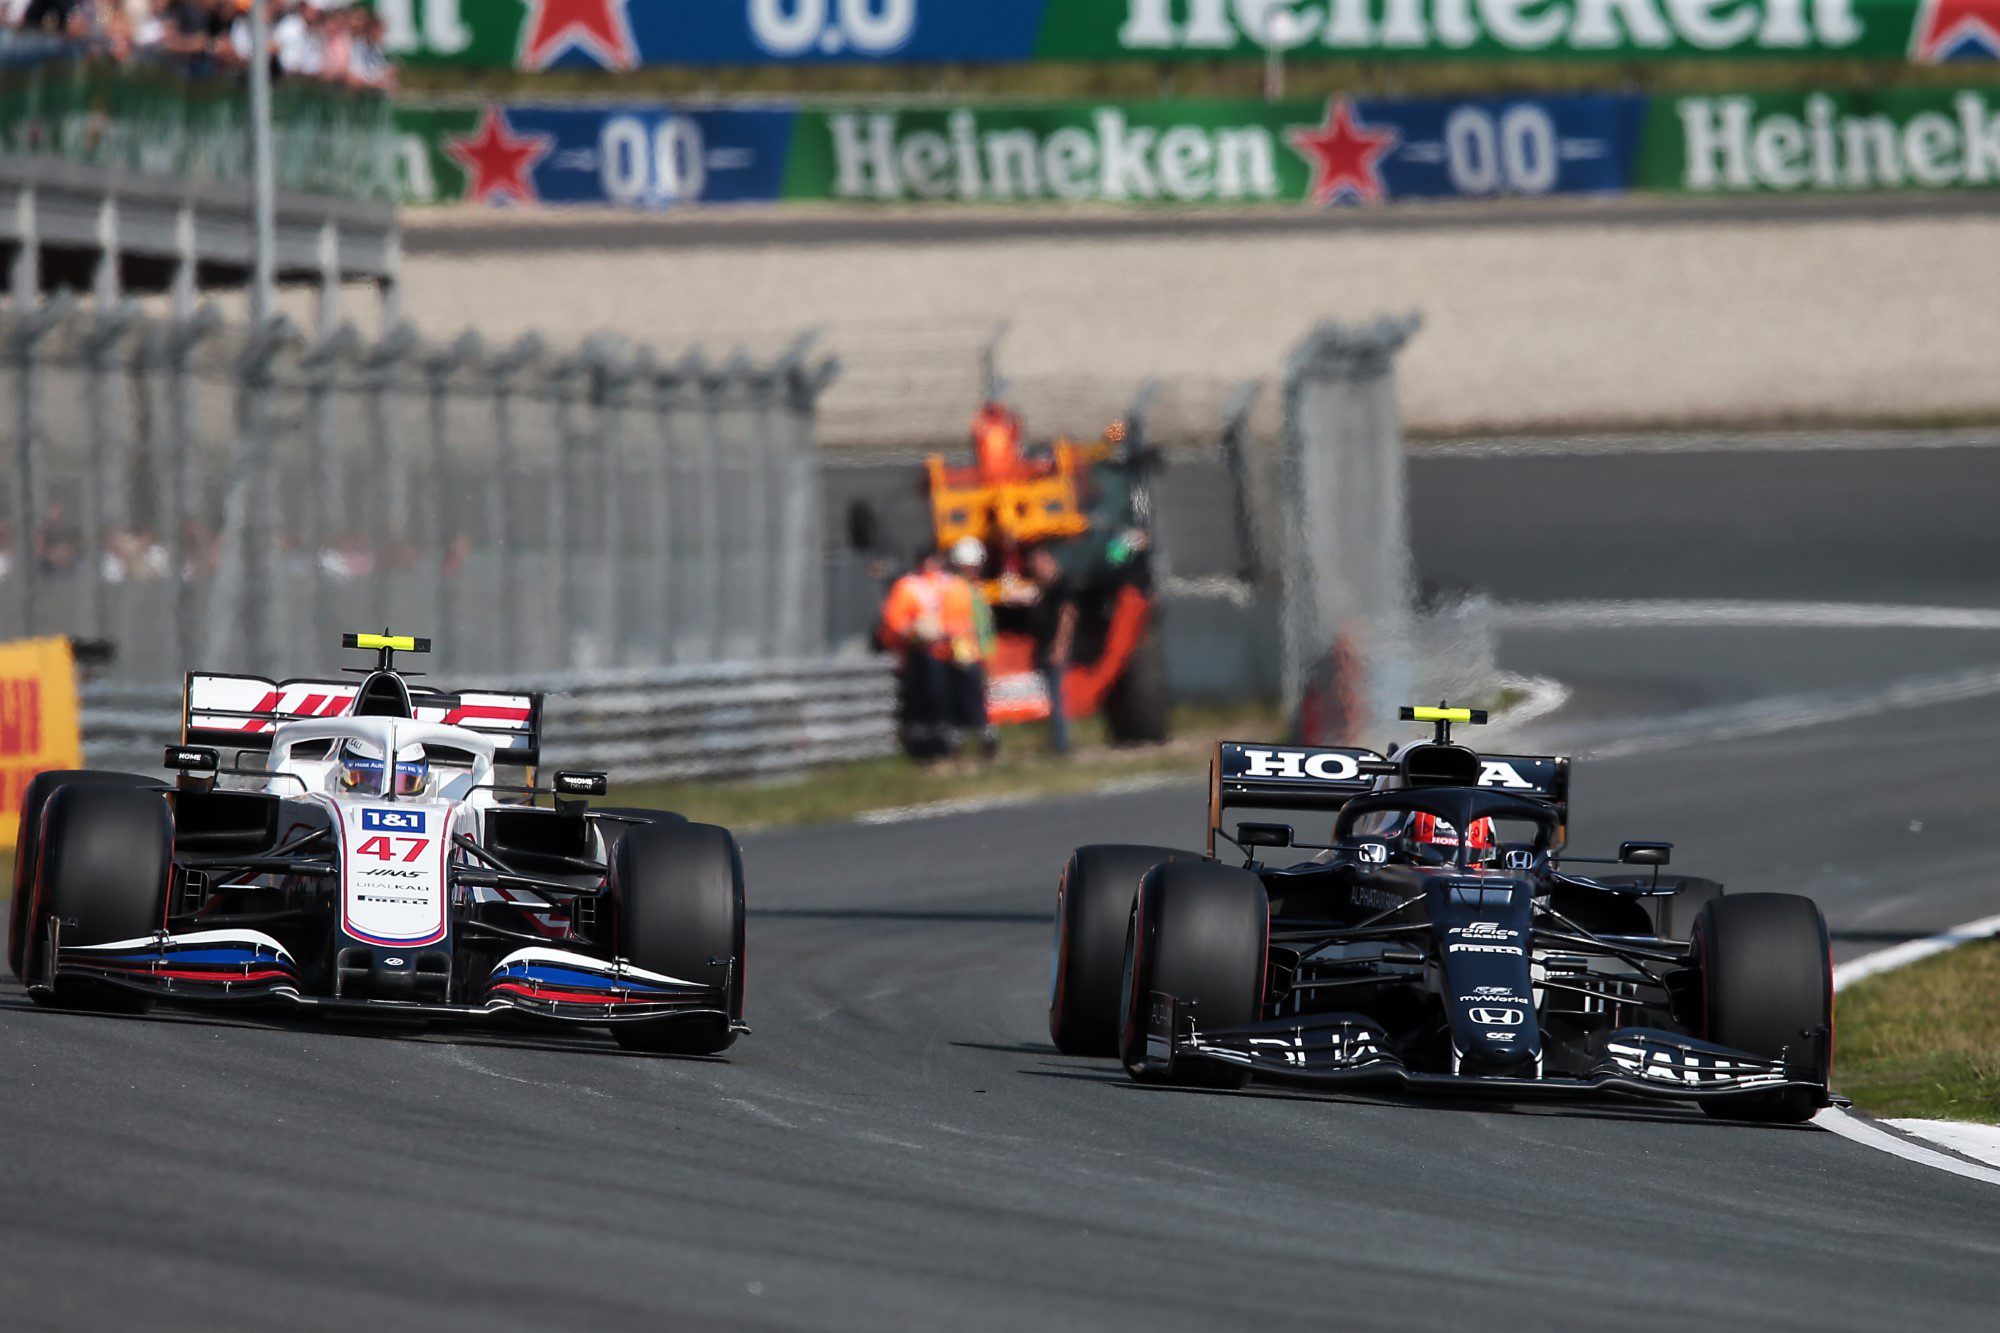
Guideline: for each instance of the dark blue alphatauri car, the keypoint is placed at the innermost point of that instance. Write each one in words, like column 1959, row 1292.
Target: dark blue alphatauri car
column 1439, row 942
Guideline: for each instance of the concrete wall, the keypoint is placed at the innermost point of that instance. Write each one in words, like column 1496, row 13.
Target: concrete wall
column 1636, row 322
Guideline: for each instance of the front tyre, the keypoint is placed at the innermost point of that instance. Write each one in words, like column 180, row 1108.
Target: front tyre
column 27, row 845
column 1767, row 989
column 1200, row 932
column 678, row 890
column 1087, row 962
column 104, row 863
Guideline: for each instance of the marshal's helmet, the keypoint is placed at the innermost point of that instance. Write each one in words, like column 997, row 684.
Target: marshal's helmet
column 362, row 769
column 1435, row 841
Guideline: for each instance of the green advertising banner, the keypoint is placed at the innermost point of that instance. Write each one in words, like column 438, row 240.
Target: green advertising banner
column 627, row 34
column 1302, row 153
column 1450, row 29
column 1741, row 143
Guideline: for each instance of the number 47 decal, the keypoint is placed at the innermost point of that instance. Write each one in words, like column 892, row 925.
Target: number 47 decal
column 379, row 848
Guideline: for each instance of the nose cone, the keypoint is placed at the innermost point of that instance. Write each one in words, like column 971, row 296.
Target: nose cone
column 1490, row 998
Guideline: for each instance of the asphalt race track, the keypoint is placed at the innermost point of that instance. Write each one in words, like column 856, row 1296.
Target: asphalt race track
column 898, row 1145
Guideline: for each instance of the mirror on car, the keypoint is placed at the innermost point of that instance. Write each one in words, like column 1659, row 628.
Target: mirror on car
column 1645, row 853
column 1264, row 835
column 581, row 784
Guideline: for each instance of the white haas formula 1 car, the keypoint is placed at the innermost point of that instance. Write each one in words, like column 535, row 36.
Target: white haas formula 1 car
column 375, row 864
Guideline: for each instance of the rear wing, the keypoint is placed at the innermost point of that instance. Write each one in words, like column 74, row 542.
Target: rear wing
column 1303, row 777
column 1542, row 776
column 228, row 712
column 1287, row 777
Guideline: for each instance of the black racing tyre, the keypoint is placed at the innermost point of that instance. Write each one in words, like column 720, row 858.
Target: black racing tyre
column 1767, row 989
column 1674, row 918
column 1087, row 960
column 105, row 860
column 1201, row 933
column 28, row 842
column 1138, row 709
column 679, row 894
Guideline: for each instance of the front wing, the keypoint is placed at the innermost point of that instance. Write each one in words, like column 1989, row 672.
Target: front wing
column 247, row 965
column 1349, row 1049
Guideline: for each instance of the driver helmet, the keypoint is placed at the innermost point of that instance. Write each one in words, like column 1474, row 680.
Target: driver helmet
column 1436, row 839
column 360, row 765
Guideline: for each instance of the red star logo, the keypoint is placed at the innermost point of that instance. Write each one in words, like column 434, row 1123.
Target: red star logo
column 1345, row 156
column 600, row 28
column 498, row 164
column 1946, row 25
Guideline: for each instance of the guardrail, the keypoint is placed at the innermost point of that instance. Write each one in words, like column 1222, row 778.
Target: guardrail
column 721, row 720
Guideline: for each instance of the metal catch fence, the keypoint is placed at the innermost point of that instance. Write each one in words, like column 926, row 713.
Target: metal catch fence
column 204, row 494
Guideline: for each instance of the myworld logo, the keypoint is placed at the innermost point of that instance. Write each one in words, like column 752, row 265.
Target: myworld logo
column 1515, row 25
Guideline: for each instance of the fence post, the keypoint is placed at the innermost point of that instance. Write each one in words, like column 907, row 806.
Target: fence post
column 762, row 508
column 326, row 508
column 503, row 528
column 1346, row 600
column 1236, row 461
column 710, row 558
column 101, row 509
column 668, row 385
column 439, row 367
column 379, row 366
column 564, row 378
column 611, row 372
column 180, row 340
column 251, row 487
column 30, row 327
column 801, row 614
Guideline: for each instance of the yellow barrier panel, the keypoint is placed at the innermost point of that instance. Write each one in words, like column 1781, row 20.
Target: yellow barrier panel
column 38, row 721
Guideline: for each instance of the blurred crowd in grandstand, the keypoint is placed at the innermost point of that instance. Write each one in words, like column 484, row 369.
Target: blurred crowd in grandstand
column 330, row 41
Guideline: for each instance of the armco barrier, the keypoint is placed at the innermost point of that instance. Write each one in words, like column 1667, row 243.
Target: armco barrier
column 716, row 721
column 616, row 34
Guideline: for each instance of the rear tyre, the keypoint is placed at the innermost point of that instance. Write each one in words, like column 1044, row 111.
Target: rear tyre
column 1201, row 933
column 1139, row 706
column 1767, row 989
column 26, row 845
column 105, row 859
column 1087, row 963
column 679, row 894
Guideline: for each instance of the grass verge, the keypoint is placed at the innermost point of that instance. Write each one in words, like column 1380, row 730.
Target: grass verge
column 1024, row 768
column 1923, row 1041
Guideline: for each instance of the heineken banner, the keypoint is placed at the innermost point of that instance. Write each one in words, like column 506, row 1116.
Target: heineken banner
column 1303, row 153
column 625, row 34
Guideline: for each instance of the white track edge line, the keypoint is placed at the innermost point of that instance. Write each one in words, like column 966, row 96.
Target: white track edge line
column 1861, row 1130
column 1667, row 612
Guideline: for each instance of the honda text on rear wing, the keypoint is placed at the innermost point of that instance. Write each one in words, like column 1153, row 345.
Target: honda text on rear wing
column 1325, row 778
